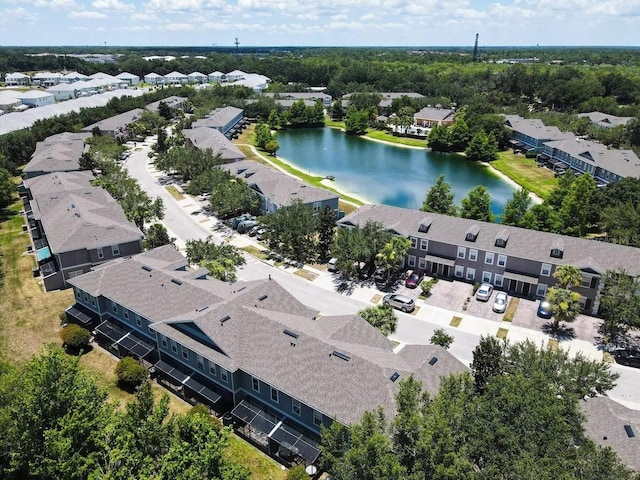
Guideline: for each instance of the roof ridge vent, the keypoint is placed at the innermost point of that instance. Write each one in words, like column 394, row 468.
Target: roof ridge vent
column 224, row 319
column 341, row 355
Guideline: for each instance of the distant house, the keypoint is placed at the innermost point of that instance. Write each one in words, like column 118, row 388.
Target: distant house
column 309, row 97
column 227, row 120
column 75, row 226
column 116, row 125
column 204, row 138
column 57, row 153
column 129, row 78
column 197, row 77
column 251, row 349
column 153, row 79
column 36, row 98
column 73, row 77
column 16, row 79
column 605, row 120
column 64, row 91
column 276, row 189
column 216, row 77
column 175, row 78
column 431, row 116
column 234, row 75
column 172, row 102
column 46, row 79
column 8, row 100
column 254, row 81
column 530, row 134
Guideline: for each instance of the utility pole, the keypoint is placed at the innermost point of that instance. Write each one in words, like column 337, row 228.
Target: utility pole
column 475, row 49
column 236, row 43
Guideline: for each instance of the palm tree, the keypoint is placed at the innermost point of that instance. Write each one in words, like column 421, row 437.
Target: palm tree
column 567, row 276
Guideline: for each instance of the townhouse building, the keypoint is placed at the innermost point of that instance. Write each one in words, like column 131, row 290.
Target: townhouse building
column 530, row 134
column 46, row 79
column 513, row 259
column 116, row 125
column 227, row 120
column 429, row 117
column 605, row 120
column 173, row 102
column 36, row 98
column 278, row 369
column 197, row 77
column 153, row 79
column 204, row 138
column 310, row 98
column 175, row 78
column 129, row 78
column 276, row 189
column 57, row 153
column 74, row 226
column 16, row 79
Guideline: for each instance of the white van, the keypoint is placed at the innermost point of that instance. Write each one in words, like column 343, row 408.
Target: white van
column 331, row 265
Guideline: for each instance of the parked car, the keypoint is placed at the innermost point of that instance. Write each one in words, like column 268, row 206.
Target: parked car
column 414, row 279
column 380, row 275
column 253, row 231
column 401, row 302
column 331, row 264
column 627, row 357
column 484, row 292
column 500, row 302
column 260, row 233
column 245, row 226
column 544, row 309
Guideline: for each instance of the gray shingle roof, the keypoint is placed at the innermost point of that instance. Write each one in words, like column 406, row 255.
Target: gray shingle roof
column 83, row 219
column 112, row 124
column 623, row 163
column 431, row 113
column 218, row 118
column 605, row 426
column 253, row 336
column 522, row 243
column 605, row 120
column 534, row 128
column 172, row 101
column 58, row 182
column 58, row 153
column 210, row 138
column 277, row 186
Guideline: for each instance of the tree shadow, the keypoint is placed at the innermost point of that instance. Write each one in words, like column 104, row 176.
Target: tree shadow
column 563, row 333
column 6, row 214
column 344, row 286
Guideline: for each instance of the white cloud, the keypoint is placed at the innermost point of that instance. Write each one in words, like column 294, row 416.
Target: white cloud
column 17, row 13
column 54, row 3
column 112, row 5
column 178, row 27
column 174, row 5
column 87, row 14
column 144, row 17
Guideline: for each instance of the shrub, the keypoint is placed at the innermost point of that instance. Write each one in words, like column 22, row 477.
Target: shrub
column 75, row 336
column 427, row 285
column 297, row 473
column 476, row 286
column 442, row 338
column 130, row 373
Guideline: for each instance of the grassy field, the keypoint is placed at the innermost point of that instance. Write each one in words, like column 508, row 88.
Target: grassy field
column 387, row 137
column 525, row 172
column 29, row 319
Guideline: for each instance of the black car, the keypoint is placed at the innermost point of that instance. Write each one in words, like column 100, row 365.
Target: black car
column 544, row 309
column 627, row 357
column 380, row 275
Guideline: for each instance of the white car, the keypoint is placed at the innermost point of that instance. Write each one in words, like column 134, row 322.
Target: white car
column 500, row 302
column 484, row 292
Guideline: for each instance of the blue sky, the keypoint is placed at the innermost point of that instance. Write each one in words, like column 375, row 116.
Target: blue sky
column 320, row 22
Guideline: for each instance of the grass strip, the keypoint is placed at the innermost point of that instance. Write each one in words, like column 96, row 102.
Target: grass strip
column 175, row 193
column 455, row 321
column 255, row 251
column 553, row 344
column 510, row 312
column 306, row 274
column 502, row 333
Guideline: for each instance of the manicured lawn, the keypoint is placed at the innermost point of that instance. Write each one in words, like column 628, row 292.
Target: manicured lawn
column 387, row 137
column 526, row 172
column 175, row 193
column 511, row 309
column 502, row 333
column 455, row 321
column 262, row 466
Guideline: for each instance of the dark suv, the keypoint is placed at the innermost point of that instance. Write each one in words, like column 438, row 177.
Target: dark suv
column 627, row 357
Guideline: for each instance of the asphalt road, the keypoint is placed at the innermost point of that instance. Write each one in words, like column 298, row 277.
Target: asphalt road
column 410, row 330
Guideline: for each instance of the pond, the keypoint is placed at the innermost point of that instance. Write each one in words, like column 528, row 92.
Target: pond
column 386, row 174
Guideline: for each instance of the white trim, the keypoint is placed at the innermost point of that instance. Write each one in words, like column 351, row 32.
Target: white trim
column 488, row 258
column 502, row 261
column 498, row 280
column 545, row 269
column 473, row 254
column 486, row 277
column 424, row 244
column 459, row 271
column 471, row 273
column 462, row 252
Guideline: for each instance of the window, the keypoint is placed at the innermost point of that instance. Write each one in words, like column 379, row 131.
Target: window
column 411, row 260
column 86, row 297
column 556, row 253
column 424, row 244
column 502, row 260
column 255, row 384
column 115, row 250
column 185, row 353
column 223, row 375
column 163, row 341
column 498, row 280
column 274, row 395
column 422, row 263
column 488, row 258
column 486, row 277
column 501, row 242
column 114, row 307
column 471, row 273
column 100, row 253
column 317, row 418
column 138, row 321
column 462, row 252
column 585, row 282
column 541, row 291
column 125, row 313
column 93, row 301
column 414, row 242
column 77, row 292
column 459, row 271
column 545, row 270
column 473, row 254
column 212, row 368
column 316, row 206
column 200, row 361
column 174, row 347
column 295, row 406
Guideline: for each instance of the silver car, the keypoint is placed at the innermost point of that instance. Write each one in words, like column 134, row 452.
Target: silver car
column 484, row 292
column 500, row 302
column 401, row 302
